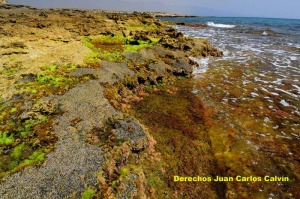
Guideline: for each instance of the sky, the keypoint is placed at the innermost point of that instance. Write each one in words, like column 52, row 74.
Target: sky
column 233, row 8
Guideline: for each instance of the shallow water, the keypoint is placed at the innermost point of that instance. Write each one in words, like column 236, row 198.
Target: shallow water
column 254, row 91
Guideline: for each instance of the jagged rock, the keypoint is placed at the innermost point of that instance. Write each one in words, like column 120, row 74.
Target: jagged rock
column 169, row 42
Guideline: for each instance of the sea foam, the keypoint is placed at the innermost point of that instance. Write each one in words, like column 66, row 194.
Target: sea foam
column 219, row 25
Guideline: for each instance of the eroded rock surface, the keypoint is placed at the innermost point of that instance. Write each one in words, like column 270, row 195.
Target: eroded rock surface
column 55, row 64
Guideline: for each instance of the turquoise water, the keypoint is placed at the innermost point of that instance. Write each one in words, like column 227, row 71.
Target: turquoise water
column 283, row 26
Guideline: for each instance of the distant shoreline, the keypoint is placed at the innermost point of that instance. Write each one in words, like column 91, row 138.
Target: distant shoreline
column 153, row 14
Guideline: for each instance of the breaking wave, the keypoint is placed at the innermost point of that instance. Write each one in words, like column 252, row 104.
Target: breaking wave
column 219, row 25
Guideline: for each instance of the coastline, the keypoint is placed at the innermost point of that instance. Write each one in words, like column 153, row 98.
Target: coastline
column 68, row 87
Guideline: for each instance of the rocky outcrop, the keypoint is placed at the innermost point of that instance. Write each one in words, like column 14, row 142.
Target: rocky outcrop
column 61, row 64
column 3, row 1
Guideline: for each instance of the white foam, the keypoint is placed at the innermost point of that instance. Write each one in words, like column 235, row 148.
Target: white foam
column 203, row 65
column 297, row 87
column 276, row 94
column 284, row 103
column 256, row 79
column 278, row 81
column 293, row 58
column 286, row 92
column 219, row 25
column 195, row 91
column 254, row 94
column 297, row 136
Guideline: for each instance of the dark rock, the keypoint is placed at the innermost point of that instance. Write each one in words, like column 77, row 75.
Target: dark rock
column 142, row 80
column 132, row 42
column 130, row 130
column 186, row 47
column 157, row 23
column 169, row 42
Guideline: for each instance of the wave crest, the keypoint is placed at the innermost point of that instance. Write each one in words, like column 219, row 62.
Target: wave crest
column 219, row 25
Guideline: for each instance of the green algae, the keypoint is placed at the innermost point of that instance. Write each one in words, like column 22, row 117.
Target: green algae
column 11, row 70
column 25, row 141
column 6, row 139
column 111, row 47
column 17, row 151
column 124, row 171
column 88, row 194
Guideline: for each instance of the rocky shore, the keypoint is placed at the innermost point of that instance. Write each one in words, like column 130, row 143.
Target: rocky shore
column 71, row 82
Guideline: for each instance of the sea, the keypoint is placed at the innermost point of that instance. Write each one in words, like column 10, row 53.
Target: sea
column 254, row 92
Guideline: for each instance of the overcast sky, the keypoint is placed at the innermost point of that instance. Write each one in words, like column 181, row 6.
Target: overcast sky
column 247, row 8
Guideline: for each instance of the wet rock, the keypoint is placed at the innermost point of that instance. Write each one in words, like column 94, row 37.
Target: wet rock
column 130, row 130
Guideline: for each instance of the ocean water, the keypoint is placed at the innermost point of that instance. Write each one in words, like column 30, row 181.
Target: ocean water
column 254, row 91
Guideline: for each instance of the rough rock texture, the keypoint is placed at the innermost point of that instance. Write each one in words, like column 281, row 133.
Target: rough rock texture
column 133, row 186
column 31, row 39
column 130, row 130
column 108, row 73
column 3, row 1
column 74, row 163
